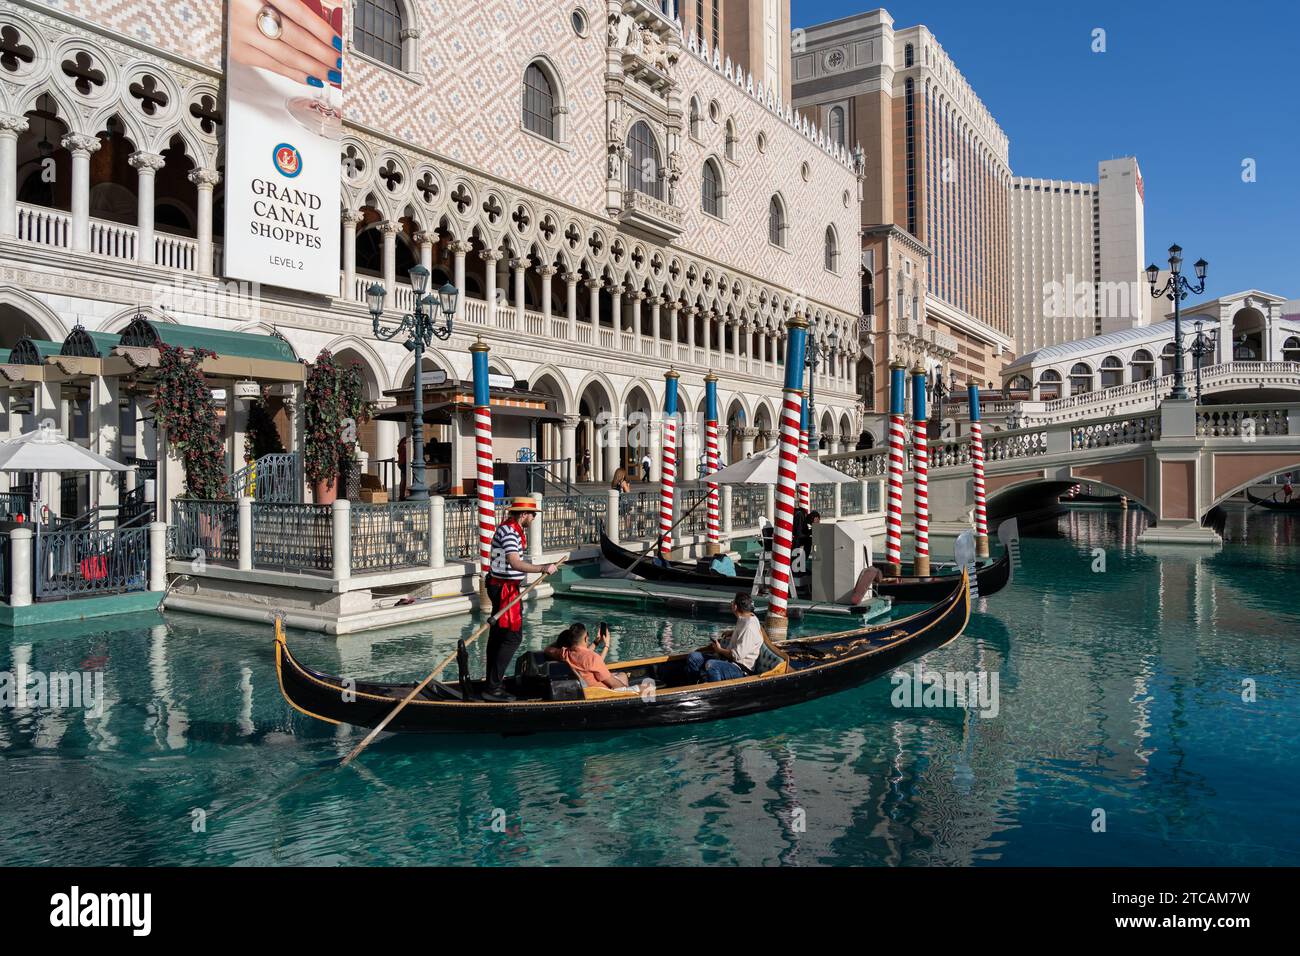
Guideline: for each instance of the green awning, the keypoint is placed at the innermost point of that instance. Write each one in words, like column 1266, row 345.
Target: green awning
column 143, row 333
column 86, row 344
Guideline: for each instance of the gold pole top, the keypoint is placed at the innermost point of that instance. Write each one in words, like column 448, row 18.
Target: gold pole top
column 796, row 321
column 710, row 377
column 479, row 345
column 671, row 373
column 897, row 363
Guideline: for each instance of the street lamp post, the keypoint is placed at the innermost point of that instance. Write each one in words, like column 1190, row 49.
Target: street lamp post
column 815, row 353
column 1201, row 346
column 1176, row 289
column 420, row 330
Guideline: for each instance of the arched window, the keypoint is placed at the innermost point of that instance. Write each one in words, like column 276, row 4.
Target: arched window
column 909, row 55
column 695, row 117
column 832, row 250
column 539, row 102
column 377, row 31
column 1291, row 350
column 1167, row 357
column 1049, row 384
column 1112, row 371
column 1142, row 366
column 711, row 190
column 1080, row 378
column 731, row 140
column 776, row 227
column 643, row 162
column 836, row 125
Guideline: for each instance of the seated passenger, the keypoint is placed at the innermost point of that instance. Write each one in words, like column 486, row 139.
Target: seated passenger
column 573, row 648
column 735, row 652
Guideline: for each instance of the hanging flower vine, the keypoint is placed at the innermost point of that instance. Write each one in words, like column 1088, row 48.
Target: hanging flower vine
column 184, row 407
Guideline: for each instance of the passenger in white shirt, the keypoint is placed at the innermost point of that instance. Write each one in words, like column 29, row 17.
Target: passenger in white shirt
column 734, row 653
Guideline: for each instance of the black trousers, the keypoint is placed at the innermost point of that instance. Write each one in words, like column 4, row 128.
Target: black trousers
column 502, row 643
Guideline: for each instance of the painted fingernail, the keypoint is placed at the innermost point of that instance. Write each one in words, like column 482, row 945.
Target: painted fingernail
column 335, row 76
column 339, row 64
column 312, row 81
column 338, row 44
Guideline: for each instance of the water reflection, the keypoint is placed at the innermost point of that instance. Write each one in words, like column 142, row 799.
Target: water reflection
column 1119, row 688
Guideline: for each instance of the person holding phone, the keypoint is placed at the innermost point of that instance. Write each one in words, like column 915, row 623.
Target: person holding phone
column 573, row 647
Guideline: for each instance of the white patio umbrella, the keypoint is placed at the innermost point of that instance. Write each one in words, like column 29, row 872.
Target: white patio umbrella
column 47, row 450
column 761, row 469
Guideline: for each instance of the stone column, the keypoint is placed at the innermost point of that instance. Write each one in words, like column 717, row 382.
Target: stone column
column 389, row 229
column 611, row 516
column 351, row 218
column 655, row 330
column 593, row 286
column 437, row 531
column 535, row 532
column 747, row 436
column 457, row 457
column 146, row 167
column 342, row 528
column 618, row 296
column 569, row 444
column 81, row 147
column 611, row 448
column 158, row 557
column 11, row 125
column 245, row 532
column 106, row 435
column 490, row 259
column 458, row 251
column 636, row 298
column 20, row 581
column 673, row 309
column 205, row 180
column 425, row 241
column 547, row 273
column 571, row 303
column 520, row 267
column 691, row 313
column 236, row 428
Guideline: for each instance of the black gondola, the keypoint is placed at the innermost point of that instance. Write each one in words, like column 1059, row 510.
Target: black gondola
column 1082, row 499
column 788, row 673
column 1287, row 507
column 991, row 577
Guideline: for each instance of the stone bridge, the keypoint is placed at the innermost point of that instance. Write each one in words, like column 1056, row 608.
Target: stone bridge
column 1178, row 461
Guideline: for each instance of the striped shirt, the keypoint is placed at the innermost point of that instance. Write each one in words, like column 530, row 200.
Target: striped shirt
column 509, row 538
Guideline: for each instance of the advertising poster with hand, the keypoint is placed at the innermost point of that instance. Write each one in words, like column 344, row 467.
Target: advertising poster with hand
column 284, row 109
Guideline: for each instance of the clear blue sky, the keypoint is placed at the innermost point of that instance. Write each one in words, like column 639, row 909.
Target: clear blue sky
column 1190, row 88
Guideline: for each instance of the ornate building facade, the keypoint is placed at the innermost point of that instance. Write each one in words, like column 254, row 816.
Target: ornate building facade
column 613, row 195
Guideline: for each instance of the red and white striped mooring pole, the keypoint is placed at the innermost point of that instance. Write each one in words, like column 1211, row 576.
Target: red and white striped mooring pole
column 897, row 465
column 786, row 477
column 487, row 506
column 977, row 466
column 667, row 485
column 711, row 458
column 805, row 491
column 921, row 473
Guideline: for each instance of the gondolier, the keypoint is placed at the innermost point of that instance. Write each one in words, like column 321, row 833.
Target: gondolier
column 509, row 569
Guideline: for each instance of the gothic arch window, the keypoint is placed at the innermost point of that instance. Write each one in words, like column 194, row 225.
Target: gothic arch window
column 837, row 125
column 909, row 55
column 696, row 118
column 540, row 102
column 731, row 139
column 832, row 250
column 777, row 227
column 380, row 32
column 643, row 168
column 711, row 191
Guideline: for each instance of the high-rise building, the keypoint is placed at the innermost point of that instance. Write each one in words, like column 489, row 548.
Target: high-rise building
column 935, row 197
column 756, row 33
column 1076, row 256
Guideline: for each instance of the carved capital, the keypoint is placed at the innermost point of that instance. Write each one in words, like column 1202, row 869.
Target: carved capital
column 390, row 227
column 80, row 143
column 460, row 248
column 572, row 421
column 546, row 272
column 204, row 178
column 350, row 217
column 424, row 238
column 147, row 162
column 571, row 278
column 12, row 123
column 491, row 255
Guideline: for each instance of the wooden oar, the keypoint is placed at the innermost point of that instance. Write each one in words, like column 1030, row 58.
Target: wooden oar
column 492, row 619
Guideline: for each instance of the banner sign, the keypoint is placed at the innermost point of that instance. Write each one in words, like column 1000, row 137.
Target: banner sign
column 284, row 122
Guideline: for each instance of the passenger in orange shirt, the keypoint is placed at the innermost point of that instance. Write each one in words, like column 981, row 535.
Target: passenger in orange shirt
column 574, row 648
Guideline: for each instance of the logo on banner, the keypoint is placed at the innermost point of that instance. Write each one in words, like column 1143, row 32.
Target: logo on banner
column 288, row 160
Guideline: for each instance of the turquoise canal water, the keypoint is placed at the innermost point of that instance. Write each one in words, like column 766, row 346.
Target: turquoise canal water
column 1120, row 690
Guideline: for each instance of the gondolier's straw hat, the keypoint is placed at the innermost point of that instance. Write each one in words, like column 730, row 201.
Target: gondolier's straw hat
column 526, row 505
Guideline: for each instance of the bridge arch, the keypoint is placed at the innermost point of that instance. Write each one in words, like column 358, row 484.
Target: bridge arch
column 1236, row 471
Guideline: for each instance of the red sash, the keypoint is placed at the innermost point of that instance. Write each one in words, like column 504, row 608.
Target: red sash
column 512, row 619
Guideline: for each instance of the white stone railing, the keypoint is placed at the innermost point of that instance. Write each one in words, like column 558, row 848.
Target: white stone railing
column 1242, row 421
column 108, row 240
column 1146, row 396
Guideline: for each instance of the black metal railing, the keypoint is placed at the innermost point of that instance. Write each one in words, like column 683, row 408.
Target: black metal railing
column 460, row 529
column 572, row 522
column 293, row 537
column 14, row 503
column 638, row 516
column 823, row 499
column 82, row 563
column 273, row 478
column 748, row 502
column 205, row 530
column 851, row 498
column 693, row 511
column 390, row 537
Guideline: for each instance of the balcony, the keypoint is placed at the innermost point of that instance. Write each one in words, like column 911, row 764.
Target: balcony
column 651, row 215
column 925, row 337
column 108, row 240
